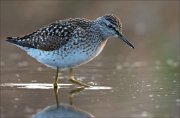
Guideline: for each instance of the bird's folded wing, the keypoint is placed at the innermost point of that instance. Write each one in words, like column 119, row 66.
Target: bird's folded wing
column 51, row 37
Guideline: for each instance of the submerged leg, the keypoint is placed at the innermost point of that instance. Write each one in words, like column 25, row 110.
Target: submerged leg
column 73, row 80
column 56, row 87
column 74, row 92
column 56, row 78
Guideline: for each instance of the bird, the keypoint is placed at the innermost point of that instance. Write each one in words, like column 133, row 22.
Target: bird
column 69, row 43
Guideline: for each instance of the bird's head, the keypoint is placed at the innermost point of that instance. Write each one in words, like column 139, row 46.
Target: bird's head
column 112, row 26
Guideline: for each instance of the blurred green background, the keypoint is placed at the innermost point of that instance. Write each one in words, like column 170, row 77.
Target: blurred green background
column 152, row 26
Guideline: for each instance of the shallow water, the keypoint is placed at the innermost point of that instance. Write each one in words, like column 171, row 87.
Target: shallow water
column 126, row 83
column 131, row 89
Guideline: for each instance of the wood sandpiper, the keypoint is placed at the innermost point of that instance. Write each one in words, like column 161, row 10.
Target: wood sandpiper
column 68, row 43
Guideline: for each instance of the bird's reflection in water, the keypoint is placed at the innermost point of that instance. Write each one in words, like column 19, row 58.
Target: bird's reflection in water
column 64, row 110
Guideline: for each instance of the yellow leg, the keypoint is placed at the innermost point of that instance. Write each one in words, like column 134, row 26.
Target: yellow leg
column 56, row 87
column 73, row 80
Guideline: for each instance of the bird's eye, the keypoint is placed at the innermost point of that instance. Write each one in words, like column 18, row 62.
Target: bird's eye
column 110, row 26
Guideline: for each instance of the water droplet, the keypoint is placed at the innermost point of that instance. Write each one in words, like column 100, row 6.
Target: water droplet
column 174, row 81
column 16, row 99
column 157, row 67
column 28, row 109
column 157, row 106
column 17, row 75
column 23, row 64
column 152, row 99
column 149, row 89
column 151, row 95
column 92, row 83
column 39, row 69
column 158, row 95
column 144, row 114
column 155, row 81
column 33, row 80
column 172, row 63
column 99, row 64
column 166, row 95
column 139, row 64
column 177, row 100
column 80, row 78
column 15, row 106
column 148, row 85
column 119, row 67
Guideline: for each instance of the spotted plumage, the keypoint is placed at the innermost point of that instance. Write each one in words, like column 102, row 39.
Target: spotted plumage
column 70, row 42
column 53, row 36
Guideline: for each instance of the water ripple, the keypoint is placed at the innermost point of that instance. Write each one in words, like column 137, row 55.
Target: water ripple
column 48, row 86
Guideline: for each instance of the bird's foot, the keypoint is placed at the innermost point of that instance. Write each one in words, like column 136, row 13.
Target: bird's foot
column 78, row 82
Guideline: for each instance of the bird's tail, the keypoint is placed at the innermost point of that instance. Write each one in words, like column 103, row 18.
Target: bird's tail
column 19, row 42
column 13, row 40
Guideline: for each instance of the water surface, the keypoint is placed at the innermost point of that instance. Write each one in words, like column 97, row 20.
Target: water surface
column 136, row 89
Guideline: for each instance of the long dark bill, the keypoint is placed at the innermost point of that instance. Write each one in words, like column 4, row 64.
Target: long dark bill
column 122, row 37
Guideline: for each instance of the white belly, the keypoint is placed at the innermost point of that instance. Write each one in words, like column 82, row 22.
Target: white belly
column 54, row 59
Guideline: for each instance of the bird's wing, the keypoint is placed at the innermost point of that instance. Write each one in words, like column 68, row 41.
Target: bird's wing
column 51, row 37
